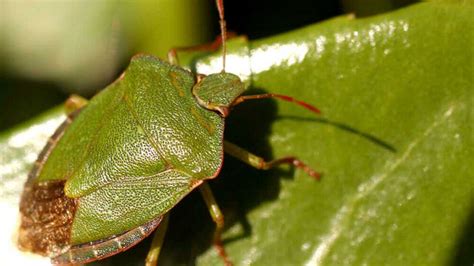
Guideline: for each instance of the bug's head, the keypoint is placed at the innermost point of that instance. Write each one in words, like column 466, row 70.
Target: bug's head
column 218, row 92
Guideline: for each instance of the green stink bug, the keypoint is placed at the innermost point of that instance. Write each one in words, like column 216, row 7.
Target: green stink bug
column 112, row 171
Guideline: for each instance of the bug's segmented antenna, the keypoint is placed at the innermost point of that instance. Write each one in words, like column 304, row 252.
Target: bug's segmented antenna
column 220, row 9
column 306, row 105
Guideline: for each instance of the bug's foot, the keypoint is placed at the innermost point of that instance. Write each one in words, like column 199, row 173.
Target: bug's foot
column 293, row 161
column 221, row 251
column 312, row 173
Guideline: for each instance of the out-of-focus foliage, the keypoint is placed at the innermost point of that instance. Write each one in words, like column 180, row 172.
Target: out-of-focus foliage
column 80, row 44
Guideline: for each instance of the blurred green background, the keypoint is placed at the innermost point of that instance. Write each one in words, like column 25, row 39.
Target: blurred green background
column 50, row 49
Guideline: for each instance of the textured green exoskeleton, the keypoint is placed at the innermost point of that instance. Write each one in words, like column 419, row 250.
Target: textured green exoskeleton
column 117, row 165
column 136, row 149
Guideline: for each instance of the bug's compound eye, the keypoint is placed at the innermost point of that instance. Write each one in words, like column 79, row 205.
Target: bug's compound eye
column 218, row 91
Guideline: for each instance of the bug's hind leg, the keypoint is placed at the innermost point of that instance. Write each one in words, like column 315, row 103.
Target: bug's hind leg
column 156, row 243
column 74, row 103
column 218, row 218
column 260, row 163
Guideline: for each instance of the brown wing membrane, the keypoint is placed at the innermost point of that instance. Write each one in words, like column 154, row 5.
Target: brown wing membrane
column 46, row 213
column 46, row 218
column 101, row 249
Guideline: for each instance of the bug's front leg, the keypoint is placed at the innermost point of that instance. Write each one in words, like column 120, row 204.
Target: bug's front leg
column 211, row 47
column 260, row 163
column 218, row 218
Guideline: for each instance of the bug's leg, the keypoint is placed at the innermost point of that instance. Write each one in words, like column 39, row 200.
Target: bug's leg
column 218, row 218
column 156, row 243
column 260, row 163
column 210, row 47
column 74, row 103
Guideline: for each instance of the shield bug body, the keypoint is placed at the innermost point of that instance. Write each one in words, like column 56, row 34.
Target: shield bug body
column 112, row 171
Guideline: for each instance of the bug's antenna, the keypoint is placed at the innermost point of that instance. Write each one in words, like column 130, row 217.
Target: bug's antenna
column 220, row 8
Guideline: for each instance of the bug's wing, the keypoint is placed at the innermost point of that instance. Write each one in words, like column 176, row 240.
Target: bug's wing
column 119, row 206
column 144, row 123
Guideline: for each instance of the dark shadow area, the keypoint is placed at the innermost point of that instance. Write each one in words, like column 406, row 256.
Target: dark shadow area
column 21, row 100
column 258, row 19
column 375, row 140
column 464, row 251
column 365, row 8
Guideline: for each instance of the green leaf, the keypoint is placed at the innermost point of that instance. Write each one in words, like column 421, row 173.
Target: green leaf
column 394, row 144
